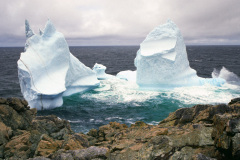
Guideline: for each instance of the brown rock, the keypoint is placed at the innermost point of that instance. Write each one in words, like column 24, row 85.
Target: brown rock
column 184, row 116
column 116, row 125
column 234, row 101
column 18, row 147
column 76, row 141
column 139, row 124
column 93, row 133
column 236, row 146
column 199, row 132
column 46, row 146
column 90, row 153
column 14, row 119
column 52, row 125
column 17, row 104
column 5, row 133
column 162, row 131
column 3, row 101
column 39, row 158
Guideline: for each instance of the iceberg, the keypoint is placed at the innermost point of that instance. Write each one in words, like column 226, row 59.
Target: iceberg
column 99, row 69
column 162, row 61
column 127, row 75
column 47, row 70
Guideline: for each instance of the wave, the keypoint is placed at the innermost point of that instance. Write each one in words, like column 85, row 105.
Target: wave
column 224, row 73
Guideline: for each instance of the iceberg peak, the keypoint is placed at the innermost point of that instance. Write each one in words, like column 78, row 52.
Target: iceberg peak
column 162, row 41
column 169, row 21
column 49, row 29
column 168, row 29
column 28, row 30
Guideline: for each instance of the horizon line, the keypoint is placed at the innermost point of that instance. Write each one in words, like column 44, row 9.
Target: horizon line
column 131, row 45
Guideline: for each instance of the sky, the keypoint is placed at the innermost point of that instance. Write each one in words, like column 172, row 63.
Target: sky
column 121, row 22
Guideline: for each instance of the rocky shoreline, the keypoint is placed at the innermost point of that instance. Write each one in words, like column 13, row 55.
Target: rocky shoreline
column 202, row 132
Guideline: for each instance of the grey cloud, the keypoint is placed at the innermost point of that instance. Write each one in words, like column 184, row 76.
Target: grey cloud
column 112, row 22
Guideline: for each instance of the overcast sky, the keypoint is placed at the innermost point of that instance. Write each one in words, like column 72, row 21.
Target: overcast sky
column 121, row 22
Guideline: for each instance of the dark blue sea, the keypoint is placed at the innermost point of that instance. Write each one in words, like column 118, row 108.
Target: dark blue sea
column 118, row 101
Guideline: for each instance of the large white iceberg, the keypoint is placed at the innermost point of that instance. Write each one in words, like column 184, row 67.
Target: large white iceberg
column 162, row 61
column 47, row 70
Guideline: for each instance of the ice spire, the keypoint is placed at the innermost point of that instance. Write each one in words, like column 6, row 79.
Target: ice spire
column 49, row 29
column 28, row 30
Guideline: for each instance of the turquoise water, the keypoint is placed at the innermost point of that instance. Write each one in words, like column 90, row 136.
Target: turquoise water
column 122, row 101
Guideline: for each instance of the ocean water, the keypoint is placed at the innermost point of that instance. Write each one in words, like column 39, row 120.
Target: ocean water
column 122, row 101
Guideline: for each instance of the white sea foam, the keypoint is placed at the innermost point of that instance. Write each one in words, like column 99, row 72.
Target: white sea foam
column 111, row 118
column 206, row 94
column 115, row 91
column 77, row 121
column 153, row 123
column 224, row 73
column 119, row 91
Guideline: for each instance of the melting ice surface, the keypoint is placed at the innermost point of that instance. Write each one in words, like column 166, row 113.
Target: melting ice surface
column 47, row 70
column 162, row 62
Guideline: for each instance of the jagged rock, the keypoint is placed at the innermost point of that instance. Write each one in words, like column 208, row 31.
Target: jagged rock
column 47, row 145
column 23, row 135
column 236, row 145
column 202, row 132
column 5, row 133
column 75, row 141
column 52, row 125
column 18, row 147
column 186, row 115
column 93, row 133
column 64, row 156
column 91, row 153
column 39, row 158
column 3, row 101
column 139, row 124
column 16, row 114
column 234, row 101
column 18, row 104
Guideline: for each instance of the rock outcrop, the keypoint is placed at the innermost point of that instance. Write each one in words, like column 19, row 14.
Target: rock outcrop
column 23, row 135
column 202, row 132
